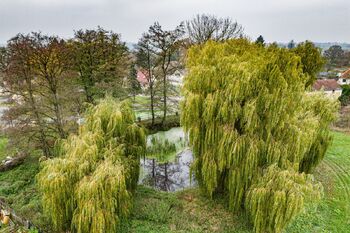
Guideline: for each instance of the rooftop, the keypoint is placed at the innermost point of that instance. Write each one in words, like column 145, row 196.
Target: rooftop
column 346, row 74
column 326, row 84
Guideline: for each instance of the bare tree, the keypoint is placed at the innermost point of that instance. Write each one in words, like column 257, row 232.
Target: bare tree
column 36, row 80
column 166, row 44
column 206, row 27
column 49, row 63
column 158, row 54
column 18, row 81
column 146, row 60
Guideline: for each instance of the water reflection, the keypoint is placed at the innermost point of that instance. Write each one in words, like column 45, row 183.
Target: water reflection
column 170, row 175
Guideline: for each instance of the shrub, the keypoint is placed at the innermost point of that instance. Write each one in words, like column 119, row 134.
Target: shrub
column 344, row 98
column 89, row 187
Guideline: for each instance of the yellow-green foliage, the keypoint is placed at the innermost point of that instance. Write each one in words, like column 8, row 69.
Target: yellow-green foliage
column 278, row 196
column 245, row 108
column 89, row 187
column 161, row 149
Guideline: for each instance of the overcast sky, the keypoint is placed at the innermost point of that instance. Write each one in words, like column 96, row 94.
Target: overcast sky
column 276, row 20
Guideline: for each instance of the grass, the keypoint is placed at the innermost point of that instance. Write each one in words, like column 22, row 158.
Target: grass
column 333, row 212
column 3, row 143
column 171, row 122
column 186, row 211
column 17, row 188
column 141, row 105
column 189, row 211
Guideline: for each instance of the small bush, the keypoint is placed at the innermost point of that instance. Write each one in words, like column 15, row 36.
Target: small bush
column 344, row 98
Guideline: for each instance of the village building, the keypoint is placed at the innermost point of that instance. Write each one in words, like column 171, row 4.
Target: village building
column 142, row 77
column 344, row 78
column 328, row 86
column 175, row 79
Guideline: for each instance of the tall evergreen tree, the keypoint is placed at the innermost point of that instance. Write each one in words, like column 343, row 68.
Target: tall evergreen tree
column 291, row 44
column 133, row 83
column 255, row 134
column 260, row 40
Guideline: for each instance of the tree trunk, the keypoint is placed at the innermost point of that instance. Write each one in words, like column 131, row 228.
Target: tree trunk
column 52, row 82
column 42, row 136
column 152, row 102
column 150, row 79
column 87, row 89
column 153, row 168
column 164, row 98
column 58, row 114
column 165, row 67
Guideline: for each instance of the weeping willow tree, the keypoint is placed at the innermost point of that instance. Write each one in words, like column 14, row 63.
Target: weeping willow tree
column 88, row 188
column 256, row 135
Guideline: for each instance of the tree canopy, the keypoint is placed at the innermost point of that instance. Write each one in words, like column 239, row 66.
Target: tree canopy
column 88, row 188
column 158, row 56
column 36, row 78
column 291, row 44
column 255, row 134
column 311, row 60
column 335, row 55
column 260, row 40
column 101, row 61
column 206, row 27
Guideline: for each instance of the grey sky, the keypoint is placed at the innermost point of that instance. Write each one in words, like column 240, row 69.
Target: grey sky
column 276, row 20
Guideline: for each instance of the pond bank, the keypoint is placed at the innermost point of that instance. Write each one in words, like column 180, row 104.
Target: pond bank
column 171, row 122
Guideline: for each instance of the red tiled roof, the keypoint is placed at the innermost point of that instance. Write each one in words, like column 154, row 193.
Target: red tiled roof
column 326, row 84
column 346, row 74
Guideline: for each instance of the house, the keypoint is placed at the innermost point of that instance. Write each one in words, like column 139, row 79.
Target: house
column 329, row 86
column 175, row 79
column 142, row 77
column 344, row 78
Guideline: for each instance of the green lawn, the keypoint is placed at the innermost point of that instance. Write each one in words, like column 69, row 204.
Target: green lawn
column 3, row 143
column 333, row 212
column 141, row 105
column 185, row 211
column 189, row 211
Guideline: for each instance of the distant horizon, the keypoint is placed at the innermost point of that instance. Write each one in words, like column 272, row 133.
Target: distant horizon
column 315, row 20
column 2, row 43
column 66, row 37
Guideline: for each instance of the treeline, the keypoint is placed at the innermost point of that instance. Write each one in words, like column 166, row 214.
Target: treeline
column 253, row 130
column 49, row 81
column 336, row 57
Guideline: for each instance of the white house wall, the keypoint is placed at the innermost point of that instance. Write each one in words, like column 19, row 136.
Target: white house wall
column 342, row 81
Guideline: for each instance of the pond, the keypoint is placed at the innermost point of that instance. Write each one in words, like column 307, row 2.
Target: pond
column 168, row 171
